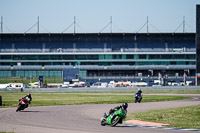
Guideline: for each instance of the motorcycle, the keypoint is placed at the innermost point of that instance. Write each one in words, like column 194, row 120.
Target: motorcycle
column 138, row 98
column 23, row 103
column 113, row 119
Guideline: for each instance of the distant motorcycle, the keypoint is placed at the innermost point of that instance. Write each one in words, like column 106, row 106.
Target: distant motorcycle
column 138, row 98
column 114, row 118
column 23, row 103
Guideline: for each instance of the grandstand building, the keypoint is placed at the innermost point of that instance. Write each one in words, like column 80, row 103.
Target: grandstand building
column 114, row 56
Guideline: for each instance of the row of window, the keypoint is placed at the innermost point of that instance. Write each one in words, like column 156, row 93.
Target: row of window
column 97, row 44
column 97, row 57
column 90, row 73
column 104, row 63
column 22, row 74
column 135, row 73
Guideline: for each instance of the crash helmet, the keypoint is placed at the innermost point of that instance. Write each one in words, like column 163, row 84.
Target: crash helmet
column 29, row 94
column 125, row 105
column 139, row 89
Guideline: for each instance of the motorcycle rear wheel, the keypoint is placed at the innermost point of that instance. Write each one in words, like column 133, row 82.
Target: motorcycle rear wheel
column 18, row 108
column 114, row 121
column 103, row 122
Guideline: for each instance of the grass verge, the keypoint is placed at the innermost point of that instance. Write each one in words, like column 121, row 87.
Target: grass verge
column 10, row 99
column 174, row 92
column 184, row 117
column 145, row 92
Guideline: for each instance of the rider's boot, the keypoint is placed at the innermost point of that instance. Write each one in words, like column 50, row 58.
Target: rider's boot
column 105, row 115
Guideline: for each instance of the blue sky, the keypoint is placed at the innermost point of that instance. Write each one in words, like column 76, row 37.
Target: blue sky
column 93, row 15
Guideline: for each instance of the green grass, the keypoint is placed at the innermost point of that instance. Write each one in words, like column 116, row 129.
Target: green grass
column 147, row 92
column 10, row 99
column 174, row 92
column 184, row 117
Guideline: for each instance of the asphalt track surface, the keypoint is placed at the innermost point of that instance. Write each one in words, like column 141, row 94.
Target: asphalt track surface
column 81, row 118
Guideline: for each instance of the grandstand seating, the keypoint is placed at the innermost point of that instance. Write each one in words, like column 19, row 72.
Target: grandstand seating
column 81, row 44
column 129, row 52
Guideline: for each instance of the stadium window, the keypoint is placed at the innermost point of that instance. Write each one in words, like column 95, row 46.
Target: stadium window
column 179, row 56
column 172, row 62
column 30, row 57
column 136, row 56
column 190, row 56
column 153, row 56
column 142, row 56
column 166, row 56
column 157, row 56
column 56, row 57
column 123, row 56
column 108, row 57
column 6, row 74
column 81, row 57
column 180, row 62
column 128, row 56
column 68, row 57
column 92, row 57
column 43, row 57
column 191, row 62
column 8, row 57
column 101, row 57
column 116, row 57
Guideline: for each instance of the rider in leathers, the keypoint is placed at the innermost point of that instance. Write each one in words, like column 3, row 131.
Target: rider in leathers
column 28, row 99
column 124, row 105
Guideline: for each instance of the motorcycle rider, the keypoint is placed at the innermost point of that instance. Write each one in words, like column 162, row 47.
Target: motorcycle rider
column 28, row 99
column 124, row 106
column 139, row 93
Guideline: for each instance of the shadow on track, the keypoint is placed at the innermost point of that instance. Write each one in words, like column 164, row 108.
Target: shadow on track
column 122, row 126
column 33, row 111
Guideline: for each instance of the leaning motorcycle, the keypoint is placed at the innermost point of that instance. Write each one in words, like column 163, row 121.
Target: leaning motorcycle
column 115, row 118
column 23, row 103
column 138, row 98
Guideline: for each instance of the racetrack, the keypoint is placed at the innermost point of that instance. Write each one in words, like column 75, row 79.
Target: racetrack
column 80, row 118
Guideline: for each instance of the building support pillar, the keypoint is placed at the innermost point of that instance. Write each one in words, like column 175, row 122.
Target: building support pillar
column 197, row 45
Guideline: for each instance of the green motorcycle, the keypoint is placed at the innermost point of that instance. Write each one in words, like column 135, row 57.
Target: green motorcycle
column 114, row 118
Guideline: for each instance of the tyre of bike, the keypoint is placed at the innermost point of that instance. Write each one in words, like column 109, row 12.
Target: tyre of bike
column 103, row 122
column 18, row 108
column 140, row 99
column 136, row 99
column 115, row 120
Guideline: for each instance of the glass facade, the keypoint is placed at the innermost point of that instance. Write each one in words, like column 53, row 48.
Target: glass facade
column 100, row 60
column 134, row 73
column 51, row 53
column 30, row 74
column 99, row 57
